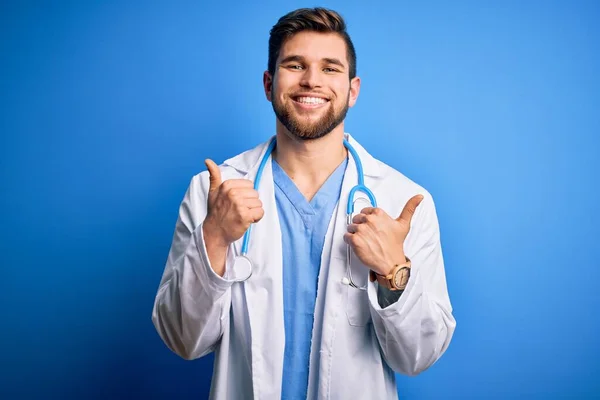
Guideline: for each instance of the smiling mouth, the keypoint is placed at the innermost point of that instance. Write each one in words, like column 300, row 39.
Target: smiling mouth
column 310, row 101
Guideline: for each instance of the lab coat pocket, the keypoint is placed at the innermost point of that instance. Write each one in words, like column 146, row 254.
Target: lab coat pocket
column 357, row 306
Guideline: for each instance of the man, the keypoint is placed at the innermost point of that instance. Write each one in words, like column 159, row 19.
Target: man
column 313, row 320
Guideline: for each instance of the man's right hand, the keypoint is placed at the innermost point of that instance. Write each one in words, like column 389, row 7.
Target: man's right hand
column 232, row 206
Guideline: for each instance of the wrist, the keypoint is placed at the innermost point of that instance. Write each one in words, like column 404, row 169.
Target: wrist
column 213, row 236
column 397, row 278
column 391, row 264
column 216, row 249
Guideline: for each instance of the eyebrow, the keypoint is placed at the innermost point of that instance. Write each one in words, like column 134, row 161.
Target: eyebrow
column 334, row 61
column 297, row 58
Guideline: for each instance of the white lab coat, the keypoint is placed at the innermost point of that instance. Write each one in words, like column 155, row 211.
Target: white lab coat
column 356, row 345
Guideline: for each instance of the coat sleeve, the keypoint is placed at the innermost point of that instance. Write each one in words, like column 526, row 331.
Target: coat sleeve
column 416, row 330
column 192, row 303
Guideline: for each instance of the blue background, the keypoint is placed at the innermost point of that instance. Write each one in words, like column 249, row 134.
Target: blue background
column 109, row 108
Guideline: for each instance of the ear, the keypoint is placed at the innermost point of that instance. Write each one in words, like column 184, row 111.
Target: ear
column 354, row 90
column 268, row 84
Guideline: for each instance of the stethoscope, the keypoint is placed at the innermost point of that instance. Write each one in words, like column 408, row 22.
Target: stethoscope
column 243, row 266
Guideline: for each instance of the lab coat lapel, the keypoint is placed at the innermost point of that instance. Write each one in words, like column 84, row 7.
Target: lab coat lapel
column 264, row 289
column 333, row 270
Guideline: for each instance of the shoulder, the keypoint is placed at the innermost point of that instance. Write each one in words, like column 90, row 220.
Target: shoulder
column 395, row 182
column 384, row 178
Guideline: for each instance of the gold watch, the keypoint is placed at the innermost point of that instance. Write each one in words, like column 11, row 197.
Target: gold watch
column 395, row 280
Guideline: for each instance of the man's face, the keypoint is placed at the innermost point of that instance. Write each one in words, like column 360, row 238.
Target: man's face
column 311, row 90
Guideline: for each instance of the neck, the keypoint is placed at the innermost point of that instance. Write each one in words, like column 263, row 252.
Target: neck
column 310, row 162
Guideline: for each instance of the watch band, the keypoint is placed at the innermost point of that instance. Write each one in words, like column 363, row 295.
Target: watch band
column 397, row 279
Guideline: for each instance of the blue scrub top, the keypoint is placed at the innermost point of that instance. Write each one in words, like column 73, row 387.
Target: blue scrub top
column 303, row 228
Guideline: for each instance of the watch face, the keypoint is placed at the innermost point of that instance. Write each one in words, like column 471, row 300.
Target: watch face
column 401, row 277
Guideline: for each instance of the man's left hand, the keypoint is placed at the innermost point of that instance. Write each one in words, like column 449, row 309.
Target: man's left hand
column 377, row 239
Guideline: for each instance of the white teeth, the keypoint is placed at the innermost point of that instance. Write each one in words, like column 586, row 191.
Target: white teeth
column 310, row 100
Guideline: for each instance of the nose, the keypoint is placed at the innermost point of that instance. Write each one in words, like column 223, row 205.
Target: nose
column 311, row 78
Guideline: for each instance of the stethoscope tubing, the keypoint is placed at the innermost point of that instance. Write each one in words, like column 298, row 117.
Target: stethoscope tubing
column 349, row 206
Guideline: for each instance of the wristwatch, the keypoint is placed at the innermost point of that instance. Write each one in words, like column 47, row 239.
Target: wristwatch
column 395, row 280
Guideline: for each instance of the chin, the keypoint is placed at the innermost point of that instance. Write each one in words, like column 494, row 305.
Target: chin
column 309, row 134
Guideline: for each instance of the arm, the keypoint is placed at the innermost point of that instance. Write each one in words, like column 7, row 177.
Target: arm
column 192, row 304
column 416, row 330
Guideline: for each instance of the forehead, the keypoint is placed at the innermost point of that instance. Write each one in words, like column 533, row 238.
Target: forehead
column 315, row 46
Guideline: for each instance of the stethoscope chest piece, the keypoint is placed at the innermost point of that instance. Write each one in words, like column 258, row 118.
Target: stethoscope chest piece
column 242, row 268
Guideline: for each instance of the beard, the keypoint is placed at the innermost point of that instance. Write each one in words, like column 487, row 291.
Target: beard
column 304, row 129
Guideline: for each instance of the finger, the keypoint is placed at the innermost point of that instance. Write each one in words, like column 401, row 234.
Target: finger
column 353, row 241
column 256, row 214
column 243, row 193
column 410, row 208
column 253, row 203
column 359, row 219
column 237, row 183
column 372, row 211
column 368, row 210
column 352, row 228
column 347, row 238
column 214, row 175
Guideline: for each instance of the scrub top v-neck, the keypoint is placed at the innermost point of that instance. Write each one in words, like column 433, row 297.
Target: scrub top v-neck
column 303, row 229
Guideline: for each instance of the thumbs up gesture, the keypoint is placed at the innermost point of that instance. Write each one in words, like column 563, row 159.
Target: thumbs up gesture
column 232, row 206
column 377, row 239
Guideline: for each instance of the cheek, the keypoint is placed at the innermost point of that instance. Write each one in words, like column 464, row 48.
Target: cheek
column 283, row 83
column 276, row 92
column 341, row 90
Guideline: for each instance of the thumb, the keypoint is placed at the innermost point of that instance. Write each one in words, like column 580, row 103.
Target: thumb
column 409, row 209
column 214, row 174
